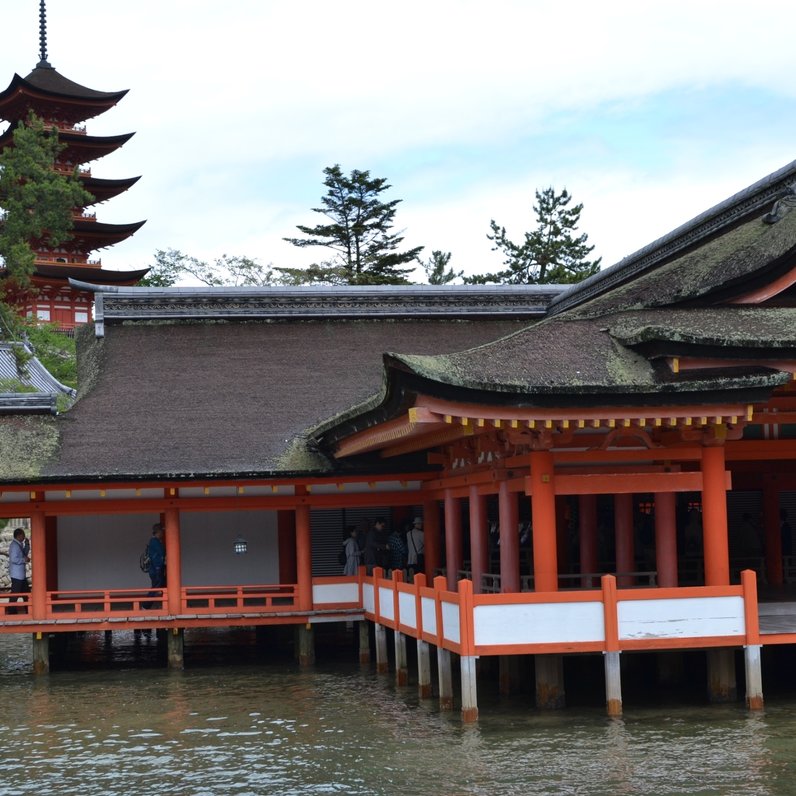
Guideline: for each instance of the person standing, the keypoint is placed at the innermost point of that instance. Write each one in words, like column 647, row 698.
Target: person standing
column 416, row 547
column 397, row 551
column 156, row 551
column 352, row 552
column 374, row 544
column 18, row 557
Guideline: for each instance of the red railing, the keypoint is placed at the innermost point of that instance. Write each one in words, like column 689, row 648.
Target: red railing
column 222, row 599
column 90, row 602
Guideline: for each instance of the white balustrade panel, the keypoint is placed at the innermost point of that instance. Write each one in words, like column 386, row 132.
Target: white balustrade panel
column 428, row 610
column 323, row 593
column 692, row 617
column 407, row 609
column 367, row 598
column 450, row 622
column 538, row 623
column 386, row 605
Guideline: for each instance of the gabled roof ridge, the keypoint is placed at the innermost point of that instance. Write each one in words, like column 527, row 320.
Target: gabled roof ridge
column 718, row 218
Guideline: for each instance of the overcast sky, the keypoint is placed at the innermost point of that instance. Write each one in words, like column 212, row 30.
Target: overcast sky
column 647, row 112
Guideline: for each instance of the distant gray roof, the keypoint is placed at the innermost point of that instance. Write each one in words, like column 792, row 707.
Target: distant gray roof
column 444, row 302
column 45, row 388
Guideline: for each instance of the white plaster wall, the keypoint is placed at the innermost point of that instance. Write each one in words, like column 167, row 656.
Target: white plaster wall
column 695, row 617
column 103, row 551
column 429, row 613
column 330, row 593
column 451, row 629
column 208, row 556
column 407, row 609
column 386, row 605
column 368, row 601
column 539, row 623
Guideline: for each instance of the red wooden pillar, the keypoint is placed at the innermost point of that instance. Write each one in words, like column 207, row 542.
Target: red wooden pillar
column 51, row 537
column 543, row 512
column 563, row 517
column 431, row 537
column 587, row 536
column 714, row 517
column 623, row 533
column 453, row 539
column 38, row 564
column 479, row 549
column 303, row 558
column 286, row 533
column 171, row 520
column 666, row 538
column 771, row 526
column 508, row 518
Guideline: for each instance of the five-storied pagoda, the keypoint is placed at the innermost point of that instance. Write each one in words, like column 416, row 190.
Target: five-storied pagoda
column 65, row 106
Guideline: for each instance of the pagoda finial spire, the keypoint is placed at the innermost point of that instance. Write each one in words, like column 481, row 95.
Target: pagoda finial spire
column 43, row 62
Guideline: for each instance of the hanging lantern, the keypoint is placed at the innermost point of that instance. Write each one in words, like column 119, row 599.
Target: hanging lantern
column 240, row 545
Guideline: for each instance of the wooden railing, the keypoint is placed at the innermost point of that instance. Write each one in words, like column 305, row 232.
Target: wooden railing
column 221, row 599
column 606, row 619
column 86, row 602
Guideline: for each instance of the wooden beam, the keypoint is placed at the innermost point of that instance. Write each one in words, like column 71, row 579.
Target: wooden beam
column 625, row 483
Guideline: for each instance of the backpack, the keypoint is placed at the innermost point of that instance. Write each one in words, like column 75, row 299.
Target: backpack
column 342, row 557
column 144, row 562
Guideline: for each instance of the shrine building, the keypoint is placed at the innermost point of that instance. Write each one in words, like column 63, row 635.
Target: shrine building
column 603, row 469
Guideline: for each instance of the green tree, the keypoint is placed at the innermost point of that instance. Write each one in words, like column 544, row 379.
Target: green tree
column 438, row 270
column 172, row 265
column 550, row 254
column 37, row 201
column 359, row 232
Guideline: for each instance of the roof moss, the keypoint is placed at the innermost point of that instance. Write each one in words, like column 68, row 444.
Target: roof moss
column 26, row 446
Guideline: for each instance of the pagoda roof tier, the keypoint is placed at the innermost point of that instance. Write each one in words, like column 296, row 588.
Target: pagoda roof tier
column 78, row 147
column 52, row 96
column 88, row 235
column 102, row 189
column 100, row 276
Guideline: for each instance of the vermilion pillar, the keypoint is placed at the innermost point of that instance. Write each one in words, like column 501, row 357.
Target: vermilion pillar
column 479, row 549
column 453, row 539
column 772, row 531
column 171, row 519
column 666, row 538
column 508, row 518
column 51, row 537
column 304, row 558
column 714, row 517
column 587, row 536
column 286, row 532
column 625, row 547
column 38, row 564
column 543, row 512
column 431, row 537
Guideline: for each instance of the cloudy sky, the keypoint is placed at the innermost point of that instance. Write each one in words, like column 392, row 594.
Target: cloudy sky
column 647, row 112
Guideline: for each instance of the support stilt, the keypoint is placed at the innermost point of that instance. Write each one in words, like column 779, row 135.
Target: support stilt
column 445, row 679
column 754, row 677
column 423, row 670
column 41, row 653
column 721, row 676
column 176, row 647
column 306, row 645
column 401, row 666
column 613, row 684
column 671, row 668
column 364, row 642
column 509, row 675
column 382, row 663
column 550, row 682
column 469, row 689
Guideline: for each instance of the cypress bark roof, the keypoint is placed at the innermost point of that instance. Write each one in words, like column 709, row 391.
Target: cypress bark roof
column 220, row 398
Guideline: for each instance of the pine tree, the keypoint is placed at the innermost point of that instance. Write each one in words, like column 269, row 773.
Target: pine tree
column 359, row 232
column 550, row 254
column 438, row 270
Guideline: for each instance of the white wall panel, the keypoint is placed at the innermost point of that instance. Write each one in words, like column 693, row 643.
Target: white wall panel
column 386, row 605
column 684, row 618
column 428, row 608
column 450, row 622
column 539, row 623
column 335, row 593
column 407, row 609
